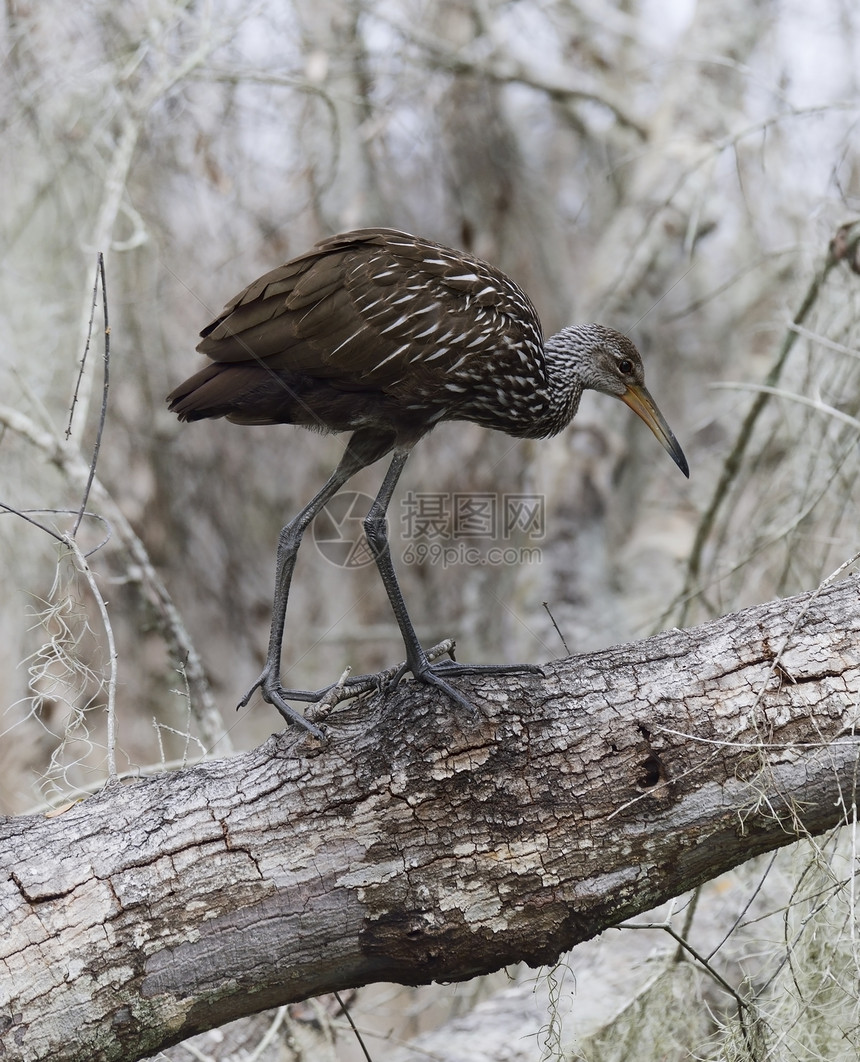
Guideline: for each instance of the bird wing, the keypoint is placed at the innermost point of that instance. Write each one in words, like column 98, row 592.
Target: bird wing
column 370, row 308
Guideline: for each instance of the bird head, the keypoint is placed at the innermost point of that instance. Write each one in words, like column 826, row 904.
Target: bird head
column 607, row 361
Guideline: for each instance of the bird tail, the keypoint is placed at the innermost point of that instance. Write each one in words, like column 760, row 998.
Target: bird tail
column 241, row 392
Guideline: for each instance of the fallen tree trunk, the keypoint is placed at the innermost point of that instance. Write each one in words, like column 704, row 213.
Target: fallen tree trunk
column 416, row 845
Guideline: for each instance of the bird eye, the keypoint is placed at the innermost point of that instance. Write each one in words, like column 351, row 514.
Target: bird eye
column 625, row 367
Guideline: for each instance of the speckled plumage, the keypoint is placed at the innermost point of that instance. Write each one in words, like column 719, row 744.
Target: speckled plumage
column 385, row 334
column 377, row 327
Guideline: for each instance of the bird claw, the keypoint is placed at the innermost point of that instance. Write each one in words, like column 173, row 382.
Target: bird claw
column 274, row 693
column 453, row 667
column 276, row 699
column 389, row 679
column 435, row 674
column 430, row 670
column 260, row 684
column 432, row 676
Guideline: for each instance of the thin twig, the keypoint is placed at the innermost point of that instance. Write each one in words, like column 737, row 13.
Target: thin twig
column 353, row 1026
column 269, row 1036
column 676, row 936
column 689, row 915
column 100, row 276
column 26, row 514
column 745, row 1010
column 745, row 907
column 321, row 709
column 23, row 513
column 86, row 571
column 345, row 689
column 508, row 71
column 195, row 1052
column 791, row 396
column 83, row 364
column 558, row 632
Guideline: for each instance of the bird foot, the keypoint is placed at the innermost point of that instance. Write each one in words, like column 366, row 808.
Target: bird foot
column 274, row 693
column 433, row 676
column 428, row 671
column 321, row 701
column 436, row 674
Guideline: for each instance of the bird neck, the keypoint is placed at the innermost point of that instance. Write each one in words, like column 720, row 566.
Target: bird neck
column 565, row 383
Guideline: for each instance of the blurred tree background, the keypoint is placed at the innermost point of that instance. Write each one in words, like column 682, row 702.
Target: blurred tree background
column 675, row 169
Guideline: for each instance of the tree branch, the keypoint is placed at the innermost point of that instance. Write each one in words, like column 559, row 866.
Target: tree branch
column 417, row 846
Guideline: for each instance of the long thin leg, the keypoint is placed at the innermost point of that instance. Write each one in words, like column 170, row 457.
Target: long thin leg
column 416, row 659
column 363, row 449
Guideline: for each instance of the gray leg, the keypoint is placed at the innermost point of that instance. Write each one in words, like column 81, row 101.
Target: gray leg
column 364, row 448
column 416, row 659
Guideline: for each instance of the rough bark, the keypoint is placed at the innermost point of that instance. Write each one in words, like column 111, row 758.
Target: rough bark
column 418, row 846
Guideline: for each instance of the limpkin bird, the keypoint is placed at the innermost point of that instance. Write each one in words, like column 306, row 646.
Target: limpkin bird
column 385, row 335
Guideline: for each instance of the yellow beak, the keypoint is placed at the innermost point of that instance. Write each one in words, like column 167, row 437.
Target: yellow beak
column 644, row 406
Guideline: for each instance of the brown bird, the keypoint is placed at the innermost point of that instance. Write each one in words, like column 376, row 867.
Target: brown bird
column 385, row 335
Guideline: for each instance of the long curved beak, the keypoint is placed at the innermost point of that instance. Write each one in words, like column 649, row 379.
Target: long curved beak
column 644, row 406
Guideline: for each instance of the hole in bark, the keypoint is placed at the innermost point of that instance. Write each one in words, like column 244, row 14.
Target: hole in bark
column 652, row 771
